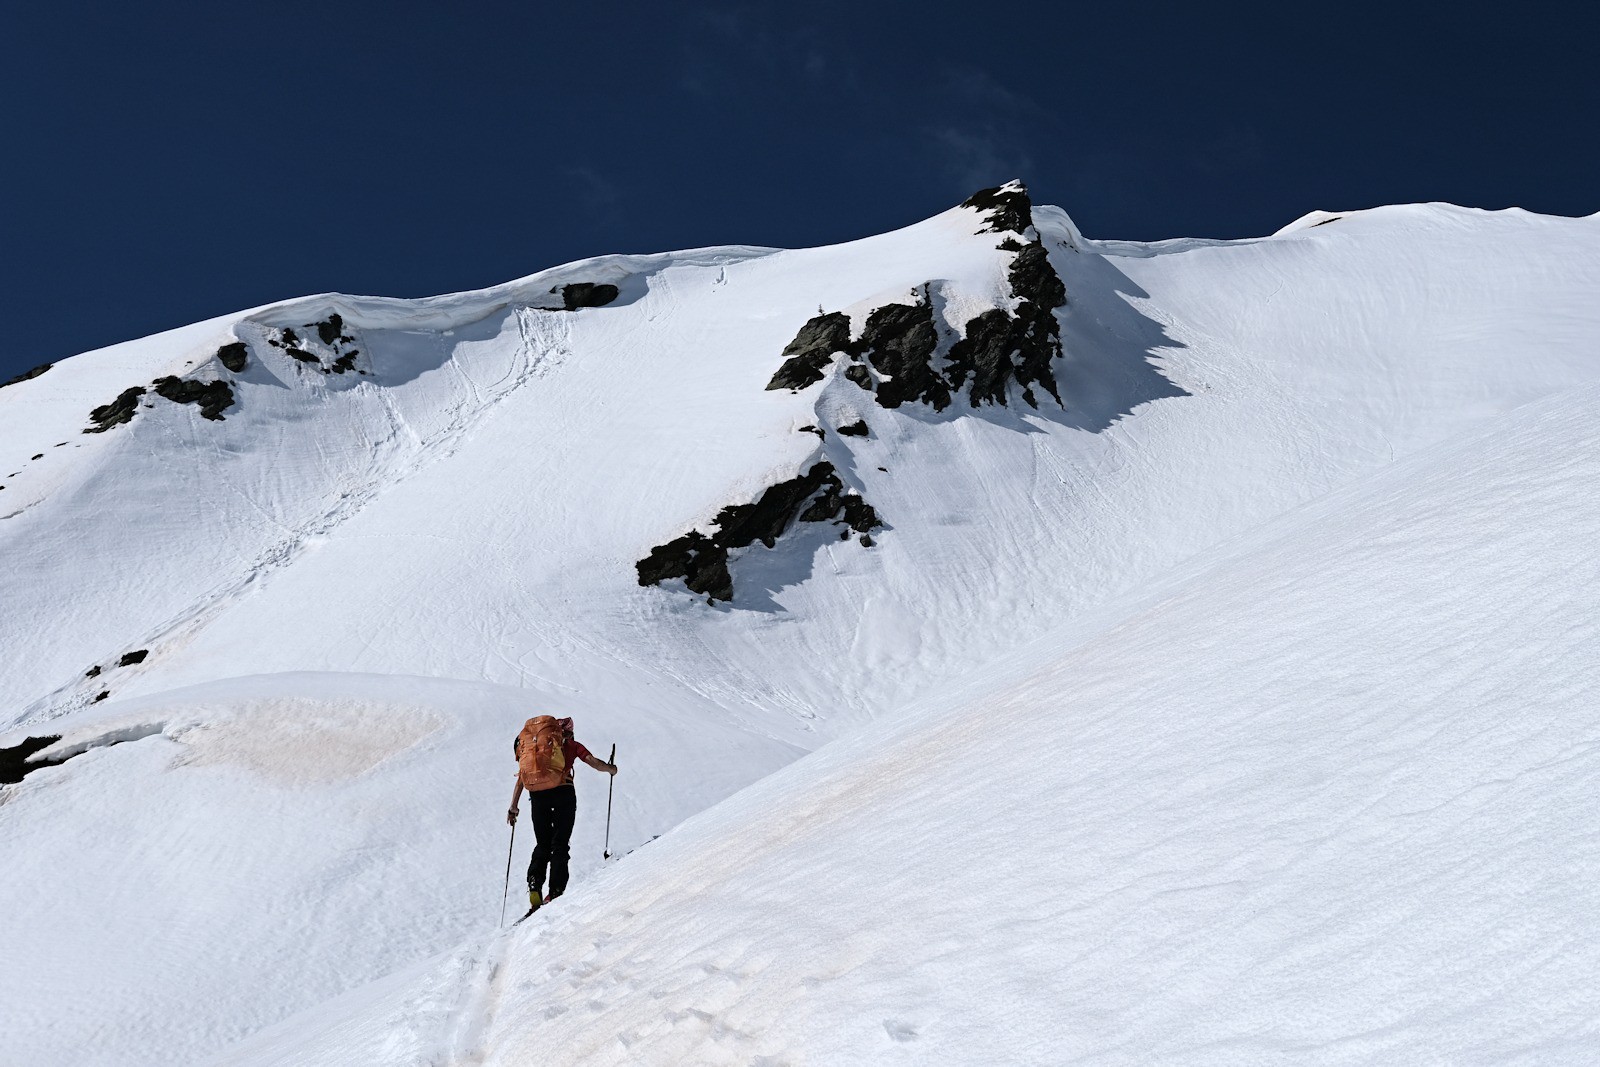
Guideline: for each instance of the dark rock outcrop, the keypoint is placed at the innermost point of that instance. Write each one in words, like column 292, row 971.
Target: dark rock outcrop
column 587, row 295
column 213, row 397
column 897, row 356
column 1001, row 348
column 27, row 374
column 234, row 356
column 130, row 658
column 899, row 341
column 1008, row 208
column 117, row 412
column 701, row 560
column 855, row 429
column 330, row 328
column 15, row 764
column 807, row 356
column 696, row 559
column 1020, row 347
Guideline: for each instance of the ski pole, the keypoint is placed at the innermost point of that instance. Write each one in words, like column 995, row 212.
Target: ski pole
column 507, row 894
column 609, row 790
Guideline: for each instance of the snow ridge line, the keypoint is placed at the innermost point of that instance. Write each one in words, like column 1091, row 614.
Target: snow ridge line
column 545, row 344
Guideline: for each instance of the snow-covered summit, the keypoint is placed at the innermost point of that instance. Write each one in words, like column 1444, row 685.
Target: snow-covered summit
column 284, row 584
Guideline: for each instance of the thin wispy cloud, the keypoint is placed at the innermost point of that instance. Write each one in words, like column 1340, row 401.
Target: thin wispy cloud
column 722, row 44
column 980, row 156
column 986, row 129
column 594, row 192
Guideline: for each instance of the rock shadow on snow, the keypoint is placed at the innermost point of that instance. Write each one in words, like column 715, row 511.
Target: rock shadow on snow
column 814, row 498
column 1106, row 369
column 1073, row 348
column 1068, row 343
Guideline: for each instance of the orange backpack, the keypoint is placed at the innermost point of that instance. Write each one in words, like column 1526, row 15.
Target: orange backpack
column 541, row 762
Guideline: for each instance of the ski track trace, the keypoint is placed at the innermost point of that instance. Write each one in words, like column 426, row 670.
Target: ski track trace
column 1236, row 709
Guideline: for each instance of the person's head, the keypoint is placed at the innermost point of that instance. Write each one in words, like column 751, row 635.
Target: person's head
column 566, row 727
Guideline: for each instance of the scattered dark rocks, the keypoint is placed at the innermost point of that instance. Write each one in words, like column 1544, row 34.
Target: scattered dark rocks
column 587, row 295
column 701, row 560
column 92, row 672
column 213, row 397
column 808, row 355
column 323, row 344
column 27, row 374
column 130, row 658
column 14, row 762
column 822, row 435
column 855, row 429
column 102, row 695
column 234, row 356
column 39, row 456
column 117, row 412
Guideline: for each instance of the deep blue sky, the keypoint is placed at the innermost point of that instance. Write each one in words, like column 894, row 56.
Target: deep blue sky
column 169, row 162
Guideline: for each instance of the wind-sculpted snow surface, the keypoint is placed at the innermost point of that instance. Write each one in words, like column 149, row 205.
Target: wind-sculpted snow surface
column 1323, row 797
column 385, row 555
column 203, row 862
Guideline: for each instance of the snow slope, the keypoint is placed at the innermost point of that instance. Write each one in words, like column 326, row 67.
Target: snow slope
column 1326, row 798
column 399, row 560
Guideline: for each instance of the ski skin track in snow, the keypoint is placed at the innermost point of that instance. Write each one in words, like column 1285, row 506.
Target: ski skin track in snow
column 315, row 579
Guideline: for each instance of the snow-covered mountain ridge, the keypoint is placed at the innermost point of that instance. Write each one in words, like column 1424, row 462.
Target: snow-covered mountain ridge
column 866, row 475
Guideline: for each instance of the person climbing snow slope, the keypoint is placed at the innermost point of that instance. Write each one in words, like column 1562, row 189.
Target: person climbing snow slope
column 546, row 755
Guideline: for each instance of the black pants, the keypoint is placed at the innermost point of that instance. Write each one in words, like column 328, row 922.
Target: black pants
column 553, row 812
